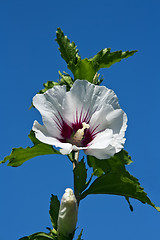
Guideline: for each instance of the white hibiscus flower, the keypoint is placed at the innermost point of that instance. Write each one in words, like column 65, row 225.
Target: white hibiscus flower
column 87, row 117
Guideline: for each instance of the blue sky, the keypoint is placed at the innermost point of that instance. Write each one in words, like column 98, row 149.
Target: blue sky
column 29, row 57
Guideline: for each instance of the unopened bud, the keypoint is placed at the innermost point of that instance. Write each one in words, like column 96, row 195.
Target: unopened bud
column 67, row 218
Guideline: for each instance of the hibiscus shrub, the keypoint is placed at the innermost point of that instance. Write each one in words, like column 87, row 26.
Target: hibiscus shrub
column 78, row 114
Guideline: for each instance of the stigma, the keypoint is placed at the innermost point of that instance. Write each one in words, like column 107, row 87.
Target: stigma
column 78, row 136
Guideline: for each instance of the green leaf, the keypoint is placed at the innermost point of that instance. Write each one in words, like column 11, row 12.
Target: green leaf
column 65, row 79
column 87, row 68
column 105, row 58
column 114, row 179
column 68, row 50
column 80, row 176
column 96, row 165
column 80, row 235
column 20, row 155
column 84, row 70
column 54, row 210
column 130, row 206
column 114, row 164
column 39, row 236
column 48, row 85
column 123, row 155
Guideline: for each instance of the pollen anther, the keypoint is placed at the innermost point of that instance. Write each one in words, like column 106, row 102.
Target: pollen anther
column 78, row 136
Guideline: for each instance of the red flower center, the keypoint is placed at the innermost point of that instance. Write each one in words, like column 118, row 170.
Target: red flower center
column 68, row 133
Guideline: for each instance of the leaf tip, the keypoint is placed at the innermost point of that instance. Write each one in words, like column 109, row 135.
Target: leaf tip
column 157, row 208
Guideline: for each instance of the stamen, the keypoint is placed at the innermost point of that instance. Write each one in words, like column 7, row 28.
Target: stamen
column 78, row 136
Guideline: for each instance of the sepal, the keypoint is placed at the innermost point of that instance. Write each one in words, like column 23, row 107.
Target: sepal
column 54, row 210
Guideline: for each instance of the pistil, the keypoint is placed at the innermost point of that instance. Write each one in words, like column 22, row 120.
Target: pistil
column 78, row 136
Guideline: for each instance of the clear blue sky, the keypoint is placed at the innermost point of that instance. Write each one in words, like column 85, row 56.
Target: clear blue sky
column 29, row 57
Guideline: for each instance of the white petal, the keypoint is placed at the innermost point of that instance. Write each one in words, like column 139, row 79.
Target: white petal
column 84, row 99
column 104, row 153
column 105, row 144
column 67, row 150
column 85, row 102
column 49, row 105
column 102, row 140
column 117, row 120
column 98, row 120
column 42, row 135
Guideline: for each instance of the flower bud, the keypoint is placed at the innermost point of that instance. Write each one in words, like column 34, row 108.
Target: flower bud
column 68, row 211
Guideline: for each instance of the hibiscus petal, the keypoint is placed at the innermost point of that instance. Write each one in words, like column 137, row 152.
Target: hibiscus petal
column 42, row 135
column 49, row 105
column 117, row 121
column 102, row 140
column 104, row 153
column 105, row 144
column 64, row 112
column 98, row 120
column 84, row 99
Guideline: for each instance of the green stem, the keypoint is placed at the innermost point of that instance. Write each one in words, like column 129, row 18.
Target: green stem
column 75, row 162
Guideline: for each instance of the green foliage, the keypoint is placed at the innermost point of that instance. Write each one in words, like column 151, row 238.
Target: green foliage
column 62, row 237
column 54, row 210
column 113, row 178
column 80, row 176
column 20, row 155
column 70, row 237
column 105, row 58
column 39, row 236
column 130, row 206
column 68, row 50
column 80, row 235
column 113, row 164
column 48, row 85
column 122, row 184
column 111, row 174
column 45, row 236
column 65, row 79
column 86, row 69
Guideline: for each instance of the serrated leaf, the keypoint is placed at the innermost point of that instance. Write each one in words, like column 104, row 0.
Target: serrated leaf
column 105, row 58
column 80, row 175
column 86, row 69
column 123, row 155
column 20, row 155
column 97, row 165
column 68, row 50
column 54, row 210
column 114, row 164
column 116, row 180
column 39, row 236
